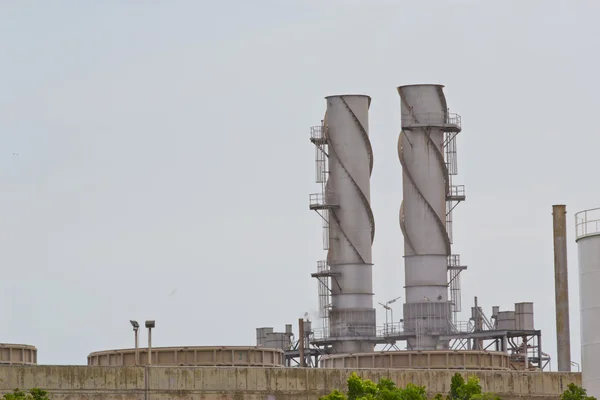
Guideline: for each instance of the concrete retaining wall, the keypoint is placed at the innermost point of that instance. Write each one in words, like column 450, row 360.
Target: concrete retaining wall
column 208, row 383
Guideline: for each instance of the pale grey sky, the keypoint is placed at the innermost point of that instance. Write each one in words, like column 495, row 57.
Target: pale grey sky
column 164, row 145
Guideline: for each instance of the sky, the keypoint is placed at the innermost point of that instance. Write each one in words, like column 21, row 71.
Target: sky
column 164, row 166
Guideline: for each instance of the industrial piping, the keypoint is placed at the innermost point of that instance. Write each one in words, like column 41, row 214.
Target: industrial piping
column 425, row 184
column 351, row 223
column 561, row 288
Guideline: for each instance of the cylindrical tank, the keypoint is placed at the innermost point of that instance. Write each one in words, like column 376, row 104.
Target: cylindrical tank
column 192, row 356
column 18, row 354
column 425, row 186
column 524, row 316
column 587, row 236
column 307, row 327
column 351, row 223
column 506, row 321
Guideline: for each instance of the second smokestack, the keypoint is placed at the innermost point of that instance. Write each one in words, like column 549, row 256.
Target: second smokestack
column 561, row 287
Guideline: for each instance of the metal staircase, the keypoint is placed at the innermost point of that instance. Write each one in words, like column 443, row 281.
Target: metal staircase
column 454, row 195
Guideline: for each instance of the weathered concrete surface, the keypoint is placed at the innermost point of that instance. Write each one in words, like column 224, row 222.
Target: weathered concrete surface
column 238, row 383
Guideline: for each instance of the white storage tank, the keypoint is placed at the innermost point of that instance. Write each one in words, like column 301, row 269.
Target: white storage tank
column 506, row 321
column 524, row 316
column 587, row 236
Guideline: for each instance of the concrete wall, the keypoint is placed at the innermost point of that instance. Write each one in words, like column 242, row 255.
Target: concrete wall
column 208, row 383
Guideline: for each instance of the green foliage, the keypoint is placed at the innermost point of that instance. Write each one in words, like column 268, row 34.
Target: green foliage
column 34, row 394
column 469, row 390
column 456, row 384
column 364, row 389
column 575, row 392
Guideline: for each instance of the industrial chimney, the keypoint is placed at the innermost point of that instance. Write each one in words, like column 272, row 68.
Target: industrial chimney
column 561, row 288
column 425, row 213
column 344, row 163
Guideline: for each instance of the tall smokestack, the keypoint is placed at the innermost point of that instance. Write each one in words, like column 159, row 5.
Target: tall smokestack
column 426, row 188
column 561, row 288
column 345, row 206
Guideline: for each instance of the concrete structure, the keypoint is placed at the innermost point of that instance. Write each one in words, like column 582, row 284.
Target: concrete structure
column 210, row 383
column 192, row 355
column 561, row 288
column 436, row 359
column 23, row 354
column 344, row 165
column 423, row 213
column 587, row 236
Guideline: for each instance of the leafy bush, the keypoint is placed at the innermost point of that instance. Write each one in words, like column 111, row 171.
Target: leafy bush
column 364, row 389
column 575, row 392
column 33, row 394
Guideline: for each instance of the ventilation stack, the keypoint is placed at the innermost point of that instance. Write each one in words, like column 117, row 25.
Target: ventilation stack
column 427, row 152
column 344, row 161
column 561, row 288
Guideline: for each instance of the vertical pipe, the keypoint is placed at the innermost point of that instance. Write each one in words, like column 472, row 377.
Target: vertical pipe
column 561, row 288
column 526, row 352
column 539, row 351
column 301, row 341
column 137, row 352
column 149, row 346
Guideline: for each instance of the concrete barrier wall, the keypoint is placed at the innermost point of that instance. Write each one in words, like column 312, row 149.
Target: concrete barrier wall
column 238, row 383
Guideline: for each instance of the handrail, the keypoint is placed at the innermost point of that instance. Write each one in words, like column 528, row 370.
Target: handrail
column 587, row 223
column 457, row 190
column 382, row 331
column 323, row 199
column 317, row 132
column 431, row 119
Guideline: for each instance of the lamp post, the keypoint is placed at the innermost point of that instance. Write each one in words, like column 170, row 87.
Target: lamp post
column 136, row 326
column 150, row 324
column 388, row 308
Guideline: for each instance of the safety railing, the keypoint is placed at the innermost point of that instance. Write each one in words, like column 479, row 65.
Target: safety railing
column 587, row 223
column 463, row 326
column 457, row 191
column 382, row 332
column 317, row 132
column 431, row 119
column 358, row 331
column 391, row 329
column 454, row 260
column 322, row 200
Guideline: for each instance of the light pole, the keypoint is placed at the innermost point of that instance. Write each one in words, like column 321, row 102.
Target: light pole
column 388, row 308
column 150, row 325
column 136, row 326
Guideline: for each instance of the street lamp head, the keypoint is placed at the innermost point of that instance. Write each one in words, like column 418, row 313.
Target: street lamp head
column 134, row 324
column 394, row 300
column 150, row 324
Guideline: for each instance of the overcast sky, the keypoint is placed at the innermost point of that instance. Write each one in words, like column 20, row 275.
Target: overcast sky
column 164, row 166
